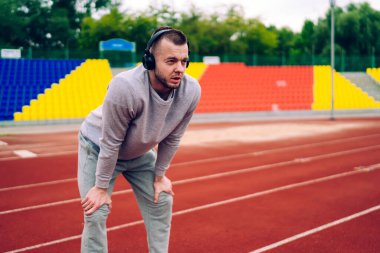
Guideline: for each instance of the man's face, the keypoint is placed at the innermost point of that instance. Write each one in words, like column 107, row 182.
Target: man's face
column 171, row 63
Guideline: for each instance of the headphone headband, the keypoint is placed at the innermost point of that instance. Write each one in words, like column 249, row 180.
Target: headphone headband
column 154, row 38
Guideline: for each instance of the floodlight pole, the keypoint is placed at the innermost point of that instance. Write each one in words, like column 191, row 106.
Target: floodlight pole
column 332, row 5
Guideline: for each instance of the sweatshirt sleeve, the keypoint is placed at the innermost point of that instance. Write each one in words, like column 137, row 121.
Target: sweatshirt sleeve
column 168, row 147
column 117, row 114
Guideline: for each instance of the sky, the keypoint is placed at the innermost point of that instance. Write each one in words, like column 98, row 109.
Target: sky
column 280, row 13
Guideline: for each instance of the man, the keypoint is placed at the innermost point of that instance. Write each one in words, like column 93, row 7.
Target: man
column 149, row 105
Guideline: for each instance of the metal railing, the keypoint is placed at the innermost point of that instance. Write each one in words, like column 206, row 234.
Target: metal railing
column 343, row 62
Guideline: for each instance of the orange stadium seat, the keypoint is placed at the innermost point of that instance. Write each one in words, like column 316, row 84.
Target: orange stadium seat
column 230, row 87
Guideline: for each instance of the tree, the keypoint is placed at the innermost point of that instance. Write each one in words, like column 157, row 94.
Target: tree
column 286, row 41
column 43, row 24
column 62, row 23
column 16, row 19
column 191, row 23
column 259, row 39
column 305, row 41
column 137, row 28
column 357, row 27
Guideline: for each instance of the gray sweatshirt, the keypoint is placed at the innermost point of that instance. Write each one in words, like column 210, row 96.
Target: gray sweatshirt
column 134, row 118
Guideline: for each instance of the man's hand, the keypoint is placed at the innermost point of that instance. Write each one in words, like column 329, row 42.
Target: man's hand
column 95, row 198
column 162, row 184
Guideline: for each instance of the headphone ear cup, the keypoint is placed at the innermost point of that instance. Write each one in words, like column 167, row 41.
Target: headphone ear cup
column 148, row 61
column 188, row 61
column 143, row 60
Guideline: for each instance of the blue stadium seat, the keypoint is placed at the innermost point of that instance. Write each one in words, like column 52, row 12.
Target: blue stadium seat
column 23, row 79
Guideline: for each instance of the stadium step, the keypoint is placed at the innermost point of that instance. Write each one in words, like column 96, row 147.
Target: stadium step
column 365, row 82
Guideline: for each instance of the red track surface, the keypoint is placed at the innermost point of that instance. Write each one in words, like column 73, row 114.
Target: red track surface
column 230, row 197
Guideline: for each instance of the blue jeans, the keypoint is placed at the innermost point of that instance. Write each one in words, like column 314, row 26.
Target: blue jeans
column 139, row 173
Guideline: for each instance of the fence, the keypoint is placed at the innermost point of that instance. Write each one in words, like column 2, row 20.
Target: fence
column 343, row 62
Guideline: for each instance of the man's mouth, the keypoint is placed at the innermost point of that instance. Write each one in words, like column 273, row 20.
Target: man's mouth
column 176, row 79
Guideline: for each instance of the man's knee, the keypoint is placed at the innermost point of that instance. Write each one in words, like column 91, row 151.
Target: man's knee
column 165, row 199
column 165, row 203
column 97, row 218
column 94, row 238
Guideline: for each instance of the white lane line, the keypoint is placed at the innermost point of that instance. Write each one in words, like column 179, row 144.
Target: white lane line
column 39, row 145
column 297, row 160
column 178, row 182
column 196, row 179
column 24, row 153
column 201, row 178
column 184, row 181
column 308, row 145
column 206, row 160
column 3, row 143
column 57, row 203
column 26, row 186
column 65, row 148
column 59, row 153
column 77, row 200
column 203, row 207
column 269, row 151
column 263, row 152
column 339, row 153
column 368, row 168
column 74, row 179
column 66, row 239
column 317, row 229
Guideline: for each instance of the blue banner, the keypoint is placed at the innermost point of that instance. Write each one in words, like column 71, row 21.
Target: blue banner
column 117, row 45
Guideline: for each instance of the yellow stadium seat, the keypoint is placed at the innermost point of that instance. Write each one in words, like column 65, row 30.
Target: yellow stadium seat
column 346, row 94
column 374, row 73
column 18, row 116
column 70, row 97
column 196, row 69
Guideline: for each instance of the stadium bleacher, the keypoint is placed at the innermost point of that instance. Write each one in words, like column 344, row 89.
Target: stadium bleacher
column 196, row 69
column 233, row 87
column 346, row 94
column 374, row 73
column 23, row 79
column 66, row 89
column 73, row 97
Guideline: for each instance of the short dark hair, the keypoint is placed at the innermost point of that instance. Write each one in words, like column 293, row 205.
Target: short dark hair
column 174, row 35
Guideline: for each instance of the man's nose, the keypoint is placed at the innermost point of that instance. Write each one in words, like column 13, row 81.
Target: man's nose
column 181, row 66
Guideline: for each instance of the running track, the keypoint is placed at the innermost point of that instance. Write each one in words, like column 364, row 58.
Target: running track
column 314, row 193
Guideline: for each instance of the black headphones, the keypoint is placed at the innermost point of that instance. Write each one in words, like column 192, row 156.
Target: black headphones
column 148, row 60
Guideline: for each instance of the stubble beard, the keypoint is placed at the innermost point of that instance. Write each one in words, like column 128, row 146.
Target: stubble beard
column 164, row 82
